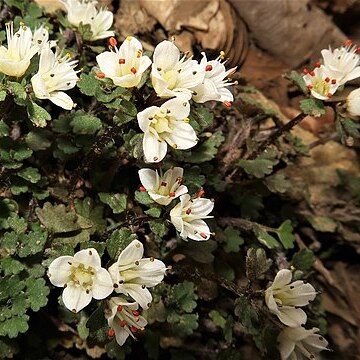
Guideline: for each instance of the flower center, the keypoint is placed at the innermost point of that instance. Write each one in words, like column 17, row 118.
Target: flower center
column 82, row 276
column 321, row 86
column 160, row 123
column 171, row 78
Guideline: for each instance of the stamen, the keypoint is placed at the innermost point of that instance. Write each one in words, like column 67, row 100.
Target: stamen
column 329, row 95
column 122, row 323
column 119, row 308
column 312, row 73
column 208, row 68
column 309, row 86
column 152, row 258
column 348, row 42
column 327, row 79
column 141, row 188
column 228, row 104
column 172, row 194
column 133, row 70
column 188, row 211
column 305, row 71
column 203, row 235
column 318, row 64
column 163, row 183
column 139, row 53
column 333, row 81
column 128, row 38
column 133, row 329
column 136, row 313
column 121, row 61
column 100, row 75
column 175, row 146
column 112, row 42
column 137, row 262
column 201, row 193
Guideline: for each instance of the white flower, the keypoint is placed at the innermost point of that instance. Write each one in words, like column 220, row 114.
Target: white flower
column 300, row 344
column 41, row 38
column 163, row 189
column 353, row 103
column 15, row 59
column 85, row 12
column 187, row 217
column 174, row 76
column 123, row 318
column 343, row 62
column 132, row 274
column 321, row 82
column 83, row 278
column 125, row 65
column 214, row 86
column 50, row 5
column 55, row 74
column 168, row 124
column 284, row 297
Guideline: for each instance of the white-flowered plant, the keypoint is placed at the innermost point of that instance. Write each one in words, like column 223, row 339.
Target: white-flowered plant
column 300, row 344
column 55, row 75
column 215, row 84
column 16, row 57
column 173, row 75
column 50, row 6
column 167, row 124
column 284, row 298
column 85, row 12
column 163, row 189
column 343, row 62
column 321, row 82
column 40, row 37
column 187, row 217
column 82, row 277
column 353, row 103
column 132, row 274
column 126, row 65
column 123, row 318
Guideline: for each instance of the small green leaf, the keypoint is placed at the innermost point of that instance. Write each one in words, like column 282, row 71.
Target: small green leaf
column 85, row 124
column 183, row 296
column 277, row 183
column 322, row 223
column 11, row 266
column 233, row 240
column 207, row 150
column 217, row 318
column 265, row 238
column 303, row 260
column 258, row 167
column 37, row 114
column 313, row 107
column 256, row 263
column 143, row 198
column 37, row 293
column 285, row 233
column 85, row 31
column 201, row 118
column 154, row 212
column 246, row 314
column 30, row 174
column 158, row 227
column 38, row 139
column 14, row 325
column 118, row 241
column 117, row 202
column 298, row 80
column 4, row 129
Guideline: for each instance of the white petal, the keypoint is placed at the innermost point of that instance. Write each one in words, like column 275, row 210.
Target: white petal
column 59, row 270
column 102, row 285
column 88, row 257
column 120, row 333
column 286, row 346
column 166, row 55
column 154, row 150
column 353, row 103
column 292, row 317
column 108, row 62
column 200, row 227
column 148, row 179
column 282, row 278
column 161, row 199
column 133, row 252
column 183, row 136
column 143, row 117
column 61, row 99
column 177, row 108
column 140, row 295
column 201, row 207
column 75, row 298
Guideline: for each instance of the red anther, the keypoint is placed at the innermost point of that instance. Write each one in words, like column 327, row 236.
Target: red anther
column 348, row 42
column 318, row 64
column 136, row 313
column 312, row 73
column 227, row 104
column 122, row 323
column 333, row 81
column 139, row 53
column 188, row 211
column 172, row 194
column 329, row 95
column 112, row 42
column 121, row 61
column 309, row 86
column 327, row 79
column 119, row 308
column 100, row 75
column 208, row 68
column 232, row 72
column 203, row 235
column 141, row 188
column 201, row 193
column 111, row 332
column 358, row 50
column 305, row 71
column 133, row 70
column 134, row 329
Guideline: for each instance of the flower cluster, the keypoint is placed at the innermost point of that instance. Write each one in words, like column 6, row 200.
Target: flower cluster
column 83, row 278
column 284, row 299
column 172, row 76
column 336, row 68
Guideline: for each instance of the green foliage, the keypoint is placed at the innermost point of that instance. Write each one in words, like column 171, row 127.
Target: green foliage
column 258, row 167
column 233, row 240
column 85, row 124
column 303, row 260
column 38, row 115
column 313, row 107
column 298, row 80
column 117, row 202
column 256, row 263
column 118, row 241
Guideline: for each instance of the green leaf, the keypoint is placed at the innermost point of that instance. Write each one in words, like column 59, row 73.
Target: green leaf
column 246, row 314
column 233, row 240
column 93, row 213
column 13, row 326
column 193, row 178
column 265, row 238
column 8, row 348
column 38, row 139
column 18, row 91
column 2, row 95
column 256, row 263
column 115, row 351
column 351, row 182
column 298, row 80
column 30, row 174
column 85, row 31
column 313, row 107
column 207, row 150
column 88, row 84
column 56, row 219
column 85, row 124
column 322, row 223
column 183, row 296
column 4, row 129
column 154, row 212
column 258, row 167
column 143, row 198
column 158, row 227
column 277, row 183
column 117, row 202
column 32, row 243
column 37, row 293
column 118, row 241
column 200, row 251
column 286, row 236
column 303, row 260
column 201, row 118
column 37, row 114
column 217, row 318
column 184, row 324
column 10, row 266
